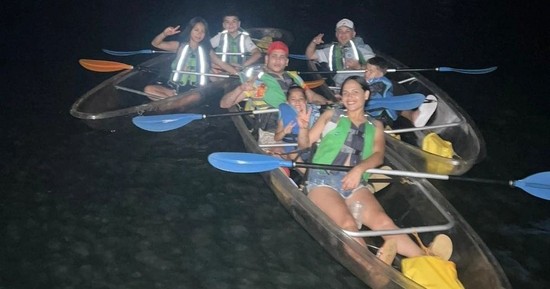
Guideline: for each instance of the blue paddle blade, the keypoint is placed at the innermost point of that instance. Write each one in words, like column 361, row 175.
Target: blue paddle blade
column 246, row 162
column 537, row 185
column 164, row 122
column 127, row 53
column 467, row 71
column 399, row 102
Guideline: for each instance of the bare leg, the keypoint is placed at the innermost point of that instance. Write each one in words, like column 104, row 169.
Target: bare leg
column 334, row 206
column 410, row 114
column 159, row 90
column 376, row 218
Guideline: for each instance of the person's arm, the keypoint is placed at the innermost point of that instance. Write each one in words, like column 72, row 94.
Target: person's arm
column 254, row 57
column 377, row 156
column 312, row 47
column 255, row 52
column 315, row 98
column 307, row 136
column 235, row 96
column 216, row 60
column 367, row 53
column 215, row 41
column 159, row 42
column 354, row 64
column 280, row 132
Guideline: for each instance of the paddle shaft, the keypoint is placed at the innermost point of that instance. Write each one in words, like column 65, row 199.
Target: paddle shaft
column 404, row 130
column 205, row 74
column 403, row 173
column 439, row 69
column 272, row 110
column 537, row 185
column 363, row 71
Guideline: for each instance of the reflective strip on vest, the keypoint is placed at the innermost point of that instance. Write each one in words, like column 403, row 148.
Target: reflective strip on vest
column 331, row 52
column 183, row 57
column 225, row 46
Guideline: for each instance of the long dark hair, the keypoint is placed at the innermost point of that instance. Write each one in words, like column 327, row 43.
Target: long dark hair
column 186, row 34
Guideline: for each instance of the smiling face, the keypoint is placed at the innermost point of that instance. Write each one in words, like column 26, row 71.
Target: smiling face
column 276, row 61
column 231, row 24
column 197, row 33
column 344, row 34
column 353, row 95
column 297, row 99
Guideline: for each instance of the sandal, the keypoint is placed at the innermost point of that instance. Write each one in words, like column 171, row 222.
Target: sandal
column 441, row 246
column 387, row 252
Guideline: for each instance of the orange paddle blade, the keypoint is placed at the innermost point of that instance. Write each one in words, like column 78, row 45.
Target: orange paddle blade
column 315, row 83
column 103, row 65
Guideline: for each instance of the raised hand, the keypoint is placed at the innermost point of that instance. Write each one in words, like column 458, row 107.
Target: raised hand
column 351, row 63
column 303, row 118
column 168, row 31
column 318, row 39
column 288, row 128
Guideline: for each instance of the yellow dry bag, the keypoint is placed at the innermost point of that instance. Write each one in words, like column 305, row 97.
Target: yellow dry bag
column 434, row 144
column 431, row 272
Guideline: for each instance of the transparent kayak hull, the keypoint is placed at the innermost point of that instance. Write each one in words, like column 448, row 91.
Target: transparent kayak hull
column 411, row 203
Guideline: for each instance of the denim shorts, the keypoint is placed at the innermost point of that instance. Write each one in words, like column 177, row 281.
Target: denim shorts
column 333, row 180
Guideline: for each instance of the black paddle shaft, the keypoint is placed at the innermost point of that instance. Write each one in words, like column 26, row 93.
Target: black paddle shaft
column 486, row 181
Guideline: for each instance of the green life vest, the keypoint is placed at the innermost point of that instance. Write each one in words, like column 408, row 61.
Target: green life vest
column 338, row 56
column 229, row 44
column 192, row 61
column 274, row 93
column 331, row 144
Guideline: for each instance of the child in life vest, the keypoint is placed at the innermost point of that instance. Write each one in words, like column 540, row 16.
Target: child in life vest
column 382, row 87
column 287, row 127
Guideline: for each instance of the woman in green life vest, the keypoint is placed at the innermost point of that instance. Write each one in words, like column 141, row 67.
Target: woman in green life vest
column 353, row 139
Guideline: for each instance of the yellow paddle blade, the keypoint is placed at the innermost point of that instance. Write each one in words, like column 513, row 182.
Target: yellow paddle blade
column 314, row 83
column 103, row 65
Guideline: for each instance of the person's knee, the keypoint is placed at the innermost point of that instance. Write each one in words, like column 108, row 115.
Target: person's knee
column 148, row 89
column 348, row 223
column 382, row 221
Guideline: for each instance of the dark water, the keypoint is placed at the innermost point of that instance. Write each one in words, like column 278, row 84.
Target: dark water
column 133, row 209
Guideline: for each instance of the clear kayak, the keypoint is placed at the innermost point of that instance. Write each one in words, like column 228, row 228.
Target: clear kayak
column 415, row 205
column 112, row 104
column 449, row 121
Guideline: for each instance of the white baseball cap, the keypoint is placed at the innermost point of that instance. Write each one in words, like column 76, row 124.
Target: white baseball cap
column 344, row 22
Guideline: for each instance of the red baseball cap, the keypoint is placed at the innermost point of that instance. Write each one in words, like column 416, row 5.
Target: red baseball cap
column 277, row 45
